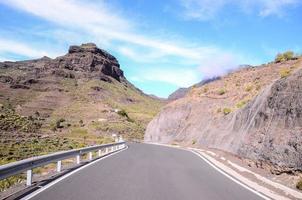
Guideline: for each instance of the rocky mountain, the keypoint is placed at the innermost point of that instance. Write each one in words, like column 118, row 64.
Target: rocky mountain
column 73, row 100
column 254, row 113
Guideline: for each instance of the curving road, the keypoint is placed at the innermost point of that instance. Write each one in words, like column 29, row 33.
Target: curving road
column 146, row 172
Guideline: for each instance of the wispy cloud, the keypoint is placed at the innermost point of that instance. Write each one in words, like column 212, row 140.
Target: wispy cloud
column 207, row 9
column 178, row 77
column 218, row 67
column 99, row 21
column 19, row 48
column 76, row 20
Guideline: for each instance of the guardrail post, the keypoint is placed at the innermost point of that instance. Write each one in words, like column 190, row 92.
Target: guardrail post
column 28, row 164
column 59, row 166
column 29, row 177
column 78, row 159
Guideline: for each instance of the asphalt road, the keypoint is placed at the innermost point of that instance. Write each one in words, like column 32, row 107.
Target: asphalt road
column 146, row 172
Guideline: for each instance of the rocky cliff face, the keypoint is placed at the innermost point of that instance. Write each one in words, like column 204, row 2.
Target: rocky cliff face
column 254, row 113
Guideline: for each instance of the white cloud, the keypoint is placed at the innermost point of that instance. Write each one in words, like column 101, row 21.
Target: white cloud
column 72, row 12
column 208, row 9
column 19, row 48
column 218, row 67
column 176, row 77
column 102, row 23
column 202, row 9
column 275, row 7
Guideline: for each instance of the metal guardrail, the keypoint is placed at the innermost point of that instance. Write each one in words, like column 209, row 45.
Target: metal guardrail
column 29, row 164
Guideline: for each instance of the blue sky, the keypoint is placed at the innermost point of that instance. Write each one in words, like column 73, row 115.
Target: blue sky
column 161, row 45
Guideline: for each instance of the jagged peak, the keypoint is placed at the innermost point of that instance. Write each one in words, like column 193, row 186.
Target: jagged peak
column 87, row 47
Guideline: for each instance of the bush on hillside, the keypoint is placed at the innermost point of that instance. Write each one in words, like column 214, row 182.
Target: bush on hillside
column 241, row 104
column 282, row 57
column 284, row 73
column 226, row 111
column 221, row 91
column 299, row 185
column 248, row 88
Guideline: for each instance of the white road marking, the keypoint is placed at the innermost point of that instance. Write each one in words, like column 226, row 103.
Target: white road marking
column 67, row 175
column 221, row 171
column 230, row 177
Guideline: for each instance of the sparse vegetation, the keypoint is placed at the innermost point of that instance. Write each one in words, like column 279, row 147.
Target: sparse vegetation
column 8, row 182
column 241, row 104
column 284, row 72
column 11, row 121
column 282, row 57
column 123, row 113
column 248, row 88
column 194, row 142
column 227, row 111
column 205, row 89
column 221, row 91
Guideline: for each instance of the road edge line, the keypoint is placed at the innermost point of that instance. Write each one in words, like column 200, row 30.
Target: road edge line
column 231, row 177
column 35, row 193
column 264, row 196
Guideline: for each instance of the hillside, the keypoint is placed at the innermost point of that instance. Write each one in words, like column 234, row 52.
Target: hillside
column 254, row 112
column 78, row 99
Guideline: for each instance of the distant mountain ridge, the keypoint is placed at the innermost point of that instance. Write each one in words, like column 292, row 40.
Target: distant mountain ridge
column 181, row 92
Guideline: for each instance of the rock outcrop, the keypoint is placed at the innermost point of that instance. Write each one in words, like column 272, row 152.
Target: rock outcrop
column 266, row 129
column 86, row 60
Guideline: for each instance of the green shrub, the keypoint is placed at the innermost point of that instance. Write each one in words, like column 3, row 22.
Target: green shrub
column 241, row 104
column 122, row 113
column 288, row 55
column 205, row 89
column 221, row 91
column 226, row 111
column 194, row 142
column 284, row 73
column 279, row 58
column 248, row 88
column 299, row 185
